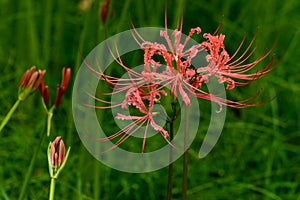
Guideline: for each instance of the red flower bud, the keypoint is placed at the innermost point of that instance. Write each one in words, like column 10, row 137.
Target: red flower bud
column 62, row 152
column 26, row 76
column 66, row 74
column 104, row 11
column 30, row 81
column 57, row 156
column 44, row 90
column 57, row 152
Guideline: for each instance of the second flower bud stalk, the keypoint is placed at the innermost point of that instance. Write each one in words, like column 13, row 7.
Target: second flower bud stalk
column 61, row 89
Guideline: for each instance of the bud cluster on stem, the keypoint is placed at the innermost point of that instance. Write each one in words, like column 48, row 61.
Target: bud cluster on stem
column 30, row 81
column 57, row 156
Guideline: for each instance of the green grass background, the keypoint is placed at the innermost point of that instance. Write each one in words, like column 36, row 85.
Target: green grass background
column 258, row 154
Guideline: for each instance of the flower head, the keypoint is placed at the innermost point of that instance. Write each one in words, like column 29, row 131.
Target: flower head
column 175, row 71
column 222, row 65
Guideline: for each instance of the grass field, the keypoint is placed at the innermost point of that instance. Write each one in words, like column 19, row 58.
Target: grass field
column 257, row 155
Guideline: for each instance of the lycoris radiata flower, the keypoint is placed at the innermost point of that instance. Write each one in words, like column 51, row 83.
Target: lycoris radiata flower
column 176, row 76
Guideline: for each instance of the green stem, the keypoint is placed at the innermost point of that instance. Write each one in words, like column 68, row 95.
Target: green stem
column 184, row 177
column 9, row 114
column 178, row 13
column 185, row 155
column 52, row 189
column 170, row 169
column 49, row 119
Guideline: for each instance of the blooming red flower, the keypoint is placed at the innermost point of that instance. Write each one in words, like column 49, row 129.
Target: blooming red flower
column 144, row 89
column 181, row 77
column 222, row 65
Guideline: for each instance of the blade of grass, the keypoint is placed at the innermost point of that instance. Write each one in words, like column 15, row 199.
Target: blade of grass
column 47, row 31
column 34, row 47
column 31, row 165
column 4, row 195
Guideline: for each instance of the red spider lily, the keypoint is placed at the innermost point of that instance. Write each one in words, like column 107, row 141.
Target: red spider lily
column 222, row 66
column 182, row 78
column 143, row 89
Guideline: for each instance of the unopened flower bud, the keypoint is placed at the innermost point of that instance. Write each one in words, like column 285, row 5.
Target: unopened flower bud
column 30, row 81
column 62, row 152
column 104, row 11
column 57, row 156
column 66, row 74
column 44, row 90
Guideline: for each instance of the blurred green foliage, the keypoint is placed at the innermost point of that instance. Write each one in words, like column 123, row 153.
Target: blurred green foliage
column 258, row 154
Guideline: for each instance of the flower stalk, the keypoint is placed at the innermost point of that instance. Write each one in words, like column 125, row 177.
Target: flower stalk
column 170, row 168
column 29, row 82
column 49, row 120
column 9, row 114
column 52, row 189
column 185, row 155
